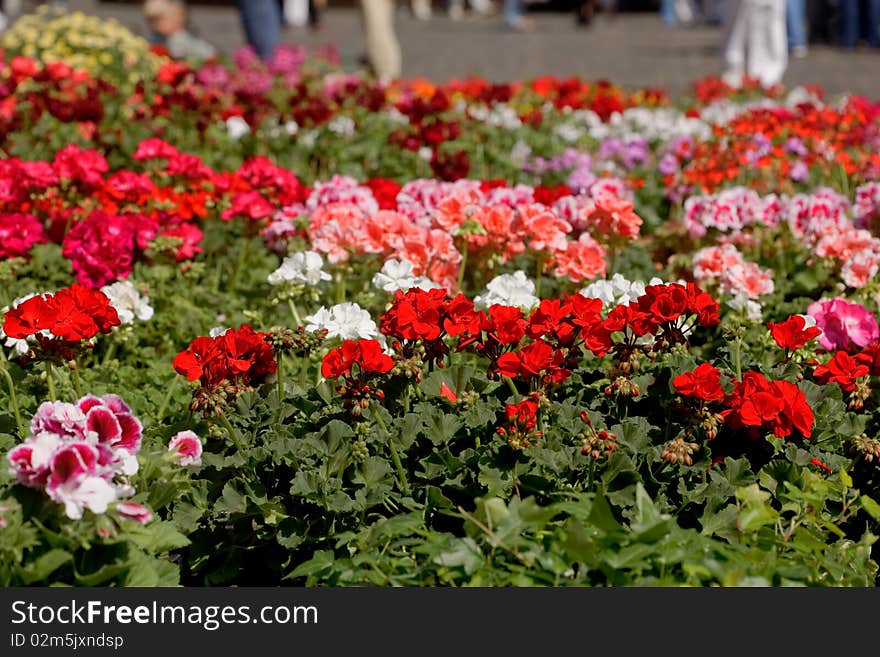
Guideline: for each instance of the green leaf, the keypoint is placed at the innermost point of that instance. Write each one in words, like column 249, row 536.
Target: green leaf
column 602, row 516
column 464, row 553
column 40, row 569
column 156, row 537
column 869, row 505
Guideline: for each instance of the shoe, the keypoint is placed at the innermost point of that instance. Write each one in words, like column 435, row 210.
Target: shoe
column 799, row 52
column 522, row 24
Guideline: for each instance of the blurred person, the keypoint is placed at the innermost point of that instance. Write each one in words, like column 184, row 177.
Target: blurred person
column 455, row 8
column 678, row 12
column 261, row 20
column 515, row 18
column 169, row 21
column 754, row 41
column 383, row 48
column 421, row 9
column 585, row 10
column 796, row 27
column 859, row 20
column 299, row 13
column 9, row 11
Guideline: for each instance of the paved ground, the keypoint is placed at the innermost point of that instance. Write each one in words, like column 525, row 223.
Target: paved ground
column 632, row 49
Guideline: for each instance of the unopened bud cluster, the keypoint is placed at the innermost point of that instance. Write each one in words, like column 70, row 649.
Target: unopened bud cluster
column 597, row 444
column 622, row 387
column 869, row 448
column 298, row 341
column 860, row 393
column 213, row 401
column 678, row 450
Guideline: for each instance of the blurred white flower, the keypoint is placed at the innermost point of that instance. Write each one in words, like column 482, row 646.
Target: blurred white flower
column 750, row 309
column 341, row 125
column 509, row 290
column 129, row 303
column 237, row 127
column 303, row 268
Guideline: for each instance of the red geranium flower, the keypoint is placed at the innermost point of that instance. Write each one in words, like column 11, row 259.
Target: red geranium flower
column 842, row 369
column 763, row 406
column 366, row 354
column 792, row 333
column 703, row 383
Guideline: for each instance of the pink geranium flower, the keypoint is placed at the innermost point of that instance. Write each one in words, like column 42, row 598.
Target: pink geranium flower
column 845, row 325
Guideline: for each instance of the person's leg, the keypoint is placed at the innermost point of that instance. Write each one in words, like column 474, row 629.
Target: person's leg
column 261, row 20
column 514, row 17
column 849, row 23
column 873, row 17
column 667, row 13
column 795, row 23
column 733, row 41
column 767, row 49
column 383, row 48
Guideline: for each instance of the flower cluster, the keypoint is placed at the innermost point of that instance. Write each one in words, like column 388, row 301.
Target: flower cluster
column 82, row 455
column 357, row 362
column 225, row 366
column 59, row 323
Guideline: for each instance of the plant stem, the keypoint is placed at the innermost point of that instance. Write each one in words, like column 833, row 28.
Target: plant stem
column 462, row 267
column 160, row 414
column 14, row 400
column 239, row 261
column 293, row 311
column 303, row 370
column 74, row 376
column 232, row 435
column 738, row 359
column 111, row 350
column 340, row 286
column 590, row 472
column 279, row 382
column 539, row 273
column 512, row 386
column 395, row 457
column 50, row 382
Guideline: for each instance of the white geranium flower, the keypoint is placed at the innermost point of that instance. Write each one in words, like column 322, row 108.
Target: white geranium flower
column 509, row 290
column 398, row 275
column 751, row 309
column 303, row 268
column 291, row 127
column 602, row 290
column 426, row 153
column 618, row 290
column 520, row 153
column 308, row 138
column 237, row 127
column 568, row 132
column 347, row 321
column 341, row 125
column 129, row 303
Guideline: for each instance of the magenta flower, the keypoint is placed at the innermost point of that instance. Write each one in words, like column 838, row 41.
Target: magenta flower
column 186, row 448
column 845, row 325
column 136, row 512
